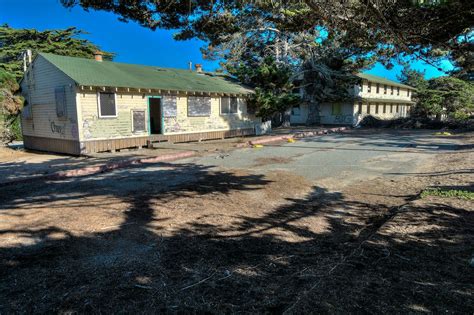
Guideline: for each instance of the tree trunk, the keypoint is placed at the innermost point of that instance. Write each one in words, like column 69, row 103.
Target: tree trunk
column 286, row 118
column 314, row 117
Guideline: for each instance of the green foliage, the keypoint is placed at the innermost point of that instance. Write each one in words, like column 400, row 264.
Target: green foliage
column 13, row 43
column 444, row 95
column 413, row 78
column 448, row 193
column 273, row 87
column 427, row 29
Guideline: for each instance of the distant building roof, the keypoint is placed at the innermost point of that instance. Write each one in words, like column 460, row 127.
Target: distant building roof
column 89, row 72
column 377, row 79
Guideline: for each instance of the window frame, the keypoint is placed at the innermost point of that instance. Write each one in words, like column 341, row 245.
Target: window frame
column 237, row 108
column 398, row 91
column 377, row 88
column 145, row 130
column 385, row 87
column 333, row 111
column 369, row 87
column 63, row 91
column 391, row 90
column 189, row 114
column 115, row 103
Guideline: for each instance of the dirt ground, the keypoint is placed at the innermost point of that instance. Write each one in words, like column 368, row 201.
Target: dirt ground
column 233, row 241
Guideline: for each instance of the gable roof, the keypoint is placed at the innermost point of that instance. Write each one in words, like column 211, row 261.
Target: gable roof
column 89, row 72
column 377, row 79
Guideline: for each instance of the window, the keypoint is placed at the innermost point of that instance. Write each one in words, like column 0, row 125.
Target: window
column 369, row 87
column 376, row 108
column 199, row 106
column 138, row 121
column 359, row 111
column 385, row 89
column 408, row 92
column 60, row 98
column 377, row 90
column 170, row 109
column 107, row 105
column 398, row 90
column 296, row 110
column 397, row 109
column 336, row 109
column 384, row 108
column 229, row 105
column 368, row 108
column 391, row 108
column 391, row 90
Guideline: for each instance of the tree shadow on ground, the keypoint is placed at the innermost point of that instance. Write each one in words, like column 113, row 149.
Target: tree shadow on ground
column 320, row 253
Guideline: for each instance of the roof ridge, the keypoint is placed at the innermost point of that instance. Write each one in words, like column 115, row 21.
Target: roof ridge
column 123, row 63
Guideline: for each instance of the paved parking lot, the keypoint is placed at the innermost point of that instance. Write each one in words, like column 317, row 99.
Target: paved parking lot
column 332, row 224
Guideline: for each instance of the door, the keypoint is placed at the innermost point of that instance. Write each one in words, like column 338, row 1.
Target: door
column 154, row 108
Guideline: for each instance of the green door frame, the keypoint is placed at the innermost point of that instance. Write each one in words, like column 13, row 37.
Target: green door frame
column 161, row 112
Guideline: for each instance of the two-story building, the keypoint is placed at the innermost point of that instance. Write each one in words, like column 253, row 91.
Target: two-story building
column 373, row 95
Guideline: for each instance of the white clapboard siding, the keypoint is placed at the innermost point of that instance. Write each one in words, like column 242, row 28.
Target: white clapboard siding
column 38, row 86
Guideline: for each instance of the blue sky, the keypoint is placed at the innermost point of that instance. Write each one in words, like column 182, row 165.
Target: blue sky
column 131, row 42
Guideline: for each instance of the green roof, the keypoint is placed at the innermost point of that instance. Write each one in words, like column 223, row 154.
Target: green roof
column 377, row 79
column 89, row 72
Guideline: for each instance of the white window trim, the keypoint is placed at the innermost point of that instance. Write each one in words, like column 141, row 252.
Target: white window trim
column 229, row 114
column 98, row 105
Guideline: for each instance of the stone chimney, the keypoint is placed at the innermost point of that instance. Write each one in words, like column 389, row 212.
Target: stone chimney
column 198, row 67
column 98, row 55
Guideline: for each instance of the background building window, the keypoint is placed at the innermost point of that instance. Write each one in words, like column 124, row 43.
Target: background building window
column 391, row 90
column 377, row 89
column 369, row 87
column 398, row 90
column 385, row 89
column 107, row 105
column 336, row 109
column 199, row 106
column 229, row 105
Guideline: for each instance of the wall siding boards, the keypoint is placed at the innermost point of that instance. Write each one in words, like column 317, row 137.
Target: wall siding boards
column 82, row 131
column 38, row 88
column 121, row 126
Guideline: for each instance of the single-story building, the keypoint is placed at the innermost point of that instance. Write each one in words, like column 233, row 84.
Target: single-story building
column 372, row 95
column 80, row 106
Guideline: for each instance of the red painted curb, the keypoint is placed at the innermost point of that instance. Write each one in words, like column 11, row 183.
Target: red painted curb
column 90, row 170
column 270, row 139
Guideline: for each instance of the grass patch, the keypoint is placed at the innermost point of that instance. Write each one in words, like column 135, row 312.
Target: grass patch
column 448, row 193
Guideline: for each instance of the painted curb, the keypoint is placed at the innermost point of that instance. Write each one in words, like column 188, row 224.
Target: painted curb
column 297, row 135
column 91, row 170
